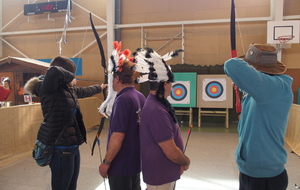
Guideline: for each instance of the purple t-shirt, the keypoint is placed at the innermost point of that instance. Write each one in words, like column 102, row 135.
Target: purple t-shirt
column 124, row 118
column 157, row 126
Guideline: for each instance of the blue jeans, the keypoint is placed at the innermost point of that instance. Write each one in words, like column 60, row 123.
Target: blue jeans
column 65, row 166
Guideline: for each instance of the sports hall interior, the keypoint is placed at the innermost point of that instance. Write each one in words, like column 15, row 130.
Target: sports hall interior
column 200, row 27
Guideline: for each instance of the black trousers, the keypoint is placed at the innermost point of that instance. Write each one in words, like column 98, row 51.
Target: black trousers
column 279, row 182
column 124, row 182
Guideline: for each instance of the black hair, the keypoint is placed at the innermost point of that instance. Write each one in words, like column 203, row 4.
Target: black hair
column 7, row 80
column 65, row 63
column 160, row 91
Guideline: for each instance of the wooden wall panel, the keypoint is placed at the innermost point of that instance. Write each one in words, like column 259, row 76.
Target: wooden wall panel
column 19, row 126
column 291, row 7
column 295, row 74
column 205, row 44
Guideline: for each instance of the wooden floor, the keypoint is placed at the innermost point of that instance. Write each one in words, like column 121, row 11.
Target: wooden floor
column 210, row 148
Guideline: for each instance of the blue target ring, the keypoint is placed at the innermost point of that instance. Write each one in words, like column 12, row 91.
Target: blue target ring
column 179, row 92
column 214, row 89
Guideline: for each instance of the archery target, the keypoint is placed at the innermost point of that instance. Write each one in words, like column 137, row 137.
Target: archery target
column 180, row 93
column 214, row 89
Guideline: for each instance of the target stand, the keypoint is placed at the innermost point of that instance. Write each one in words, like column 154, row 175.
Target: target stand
column 180, row 94
column 183, row 96
column 214, row 113
column 186, row 112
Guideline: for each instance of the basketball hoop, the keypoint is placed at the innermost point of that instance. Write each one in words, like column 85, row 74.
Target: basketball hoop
column 284, row 42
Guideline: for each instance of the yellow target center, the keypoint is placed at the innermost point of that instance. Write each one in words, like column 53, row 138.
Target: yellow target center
column 214, row 89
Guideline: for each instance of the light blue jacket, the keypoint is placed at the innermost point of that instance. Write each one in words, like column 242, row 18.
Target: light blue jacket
column 262, row 126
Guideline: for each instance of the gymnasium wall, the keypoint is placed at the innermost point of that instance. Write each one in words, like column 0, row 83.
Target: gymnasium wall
column 204, row 44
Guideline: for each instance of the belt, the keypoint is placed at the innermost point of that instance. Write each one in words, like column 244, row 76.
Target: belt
column 64, row 147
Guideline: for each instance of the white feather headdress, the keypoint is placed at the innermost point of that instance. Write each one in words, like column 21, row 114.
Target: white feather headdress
column 116, row 59
column 152, row 66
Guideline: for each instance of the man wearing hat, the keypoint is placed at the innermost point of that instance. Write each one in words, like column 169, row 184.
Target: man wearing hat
column 122, row 164
column 267, row 99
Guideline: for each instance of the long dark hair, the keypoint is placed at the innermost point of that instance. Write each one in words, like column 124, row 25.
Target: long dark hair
column 160, row 91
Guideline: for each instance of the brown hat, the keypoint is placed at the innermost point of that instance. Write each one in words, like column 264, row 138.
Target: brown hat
column 263, row 57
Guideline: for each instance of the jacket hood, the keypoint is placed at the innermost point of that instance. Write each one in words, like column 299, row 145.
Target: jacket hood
column 30, row 85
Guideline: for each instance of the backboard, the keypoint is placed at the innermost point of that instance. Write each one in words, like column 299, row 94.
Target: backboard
column 283, row 28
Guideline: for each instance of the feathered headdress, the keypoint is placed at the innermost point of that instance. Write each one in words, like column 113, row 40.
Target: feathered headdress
column 115, row 63
column 152, row 66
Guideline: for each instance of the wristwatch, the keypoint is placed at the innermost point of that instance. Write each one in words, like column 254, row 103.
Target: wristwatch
column 105, row 162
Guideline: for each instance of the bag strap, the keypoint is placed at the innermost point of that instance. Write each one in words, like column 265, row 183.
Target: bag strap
column 65, row 127
column 60, row 134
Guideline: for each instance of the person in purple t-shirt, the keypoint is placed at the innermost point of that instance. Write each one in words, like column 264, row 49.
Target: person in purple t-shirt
column 122, row 163
column 163, row 160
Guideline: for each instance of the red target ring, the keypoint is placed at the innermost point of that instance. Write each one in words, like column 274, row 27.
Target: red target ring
column 179, row 92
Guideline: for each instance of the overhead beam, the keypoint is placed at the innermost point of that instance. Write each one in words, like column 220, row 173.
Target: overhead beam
column 153, row 24
column 50, row 30
column 90, row 44
column 14, row 48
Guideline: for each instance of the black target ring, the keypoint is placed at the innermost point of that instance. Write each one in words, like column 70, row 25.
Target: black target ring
column 214, row 89
column 179, row 92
